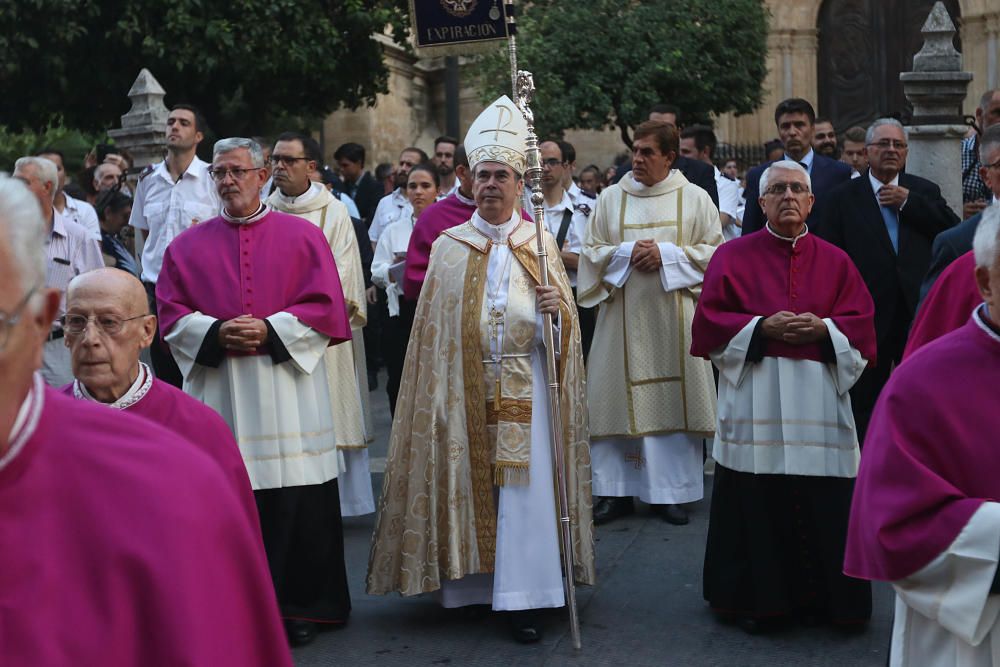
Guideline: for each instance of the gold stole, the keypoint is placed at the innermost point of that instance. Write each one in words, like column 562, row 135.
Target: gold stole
column 507, row 379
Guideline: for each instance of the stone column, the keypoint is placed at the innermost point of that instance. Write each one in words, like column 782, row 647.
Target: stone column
column 143, row 130
column 936, row 88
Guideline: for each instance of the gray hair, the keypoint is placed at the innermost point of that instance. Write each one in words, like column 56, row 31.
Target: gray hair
column 989, row 142
column 987, row 97
column 235, row 143
column 790, row 165
column 22, row 225
column 881, row 122
column 45, row 169
column 984, row 243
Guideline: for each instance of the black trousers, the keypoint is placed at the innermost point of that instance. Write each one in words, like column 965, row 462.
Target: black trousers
column 304, row 541
column 396, row 339
column 866, row 390
column 164, row 366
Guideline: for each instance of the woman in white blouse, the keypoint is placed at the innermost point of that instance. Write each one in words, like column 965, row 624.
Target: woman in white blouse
column 387, row 272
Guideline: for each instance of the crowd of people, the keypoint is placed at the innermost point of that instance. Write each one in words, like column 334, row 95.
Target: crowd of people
column 824, row 327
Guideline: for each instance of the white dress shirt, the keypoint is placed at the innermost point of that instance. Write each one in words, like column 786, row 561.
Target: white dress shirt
column 84, row 215
column 164, row 208
column 392, row 207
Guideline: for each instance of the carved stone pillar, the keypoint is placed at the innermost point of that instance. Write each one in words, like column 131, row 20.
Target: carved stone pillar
column 143, row 130
column 936, row 88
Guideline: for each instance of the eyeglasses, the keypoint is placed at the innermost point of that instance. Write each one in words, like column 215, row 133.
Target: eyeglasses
column 286, row 160
column 780, row 188
column 238, row 174
column 112, row 325
column 885, row 144
column 9, row 321
column 551, row 162
column 994, row 165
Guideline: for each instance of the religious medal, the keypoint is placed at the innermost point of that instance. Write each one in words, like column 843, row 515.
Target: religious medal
column 494, row 12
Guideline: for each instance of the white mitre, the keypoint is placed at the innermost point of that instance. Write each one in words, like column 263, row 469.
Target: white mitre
column 498, row 135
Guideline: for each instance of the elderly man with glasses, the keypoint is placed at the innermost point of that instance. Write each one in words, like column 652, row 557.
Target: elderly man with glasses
column 248, row 302
column 120, row 535
column 788, row 321
column 886, row 221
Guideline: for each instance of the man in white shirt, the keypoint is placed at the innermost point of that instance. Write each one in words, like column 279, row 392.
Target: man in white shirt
column 698, row 143
column 78, row 211
column 395, row 205
column 69, row 251
column 170, row 197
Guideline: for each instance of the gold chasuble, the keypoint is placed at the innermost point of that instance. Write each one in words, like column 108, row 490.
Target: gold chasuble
column 649, row 383
column 346, row 372
column 454, row 437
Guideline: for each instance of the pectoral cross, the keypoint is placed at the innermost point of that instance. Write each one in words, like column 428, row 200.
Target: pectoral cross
column 494, row 322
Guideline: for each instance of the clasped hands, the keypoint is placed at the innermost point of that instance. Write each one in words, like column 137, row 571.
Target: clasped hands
column 243, row 334
column 646, row 256
column 795, row 329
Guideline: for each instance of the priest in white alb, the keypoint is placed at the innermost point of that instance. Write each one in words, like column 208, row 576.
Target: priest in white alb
column 248, row 302
column 294, row 158
column 644, row 256
column 468, row 507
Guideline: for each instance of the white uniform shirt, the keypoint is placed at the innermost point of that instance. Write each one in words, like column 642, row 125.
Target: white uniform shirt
column 729, row 202
column 84, row 215
column 164, row 208
column 577, row 226
column 392, row 207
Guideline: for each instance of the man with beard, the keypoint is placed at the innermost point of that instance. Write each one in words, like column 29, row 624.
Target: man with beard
column 444, row 161
column 825, row 139
column 170, row 197
column 395, row 205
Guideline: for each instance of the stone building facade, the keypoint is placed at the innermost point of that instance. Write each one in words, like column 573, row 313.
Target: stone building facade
column 843, row 55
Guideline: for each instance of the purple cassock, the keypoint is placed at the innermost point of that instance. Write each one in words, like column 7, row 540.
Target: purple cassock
column 224, row 270
column 191, row 419
column 439, row 216
column 929, row 461
column 947, row 306
column 760, row 274
column 122, row 545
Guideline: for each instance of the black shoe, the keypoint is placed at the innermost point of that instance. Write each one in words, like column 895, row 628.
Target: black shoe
column 609, row 508
column 300, row 633
column 674, row 514
column 524, row 626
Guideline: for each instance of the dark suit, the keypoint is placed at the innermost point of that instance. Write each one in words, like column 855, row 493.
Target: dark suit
column 699, row 173
column 366, row 196
column 826, row 174
column 853, row 221
column 948, row 246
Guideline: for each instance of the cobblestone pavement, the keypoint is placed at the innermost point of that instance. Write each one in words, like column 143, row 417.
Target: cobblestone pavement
column 646, row 609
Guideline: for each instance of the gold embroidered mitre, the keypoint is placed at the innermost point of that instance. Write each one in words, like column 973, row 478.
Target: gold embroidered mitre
column 498, row 135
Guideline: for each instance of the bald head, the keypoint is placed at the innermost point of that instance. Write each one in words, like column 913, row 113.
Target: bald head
column 106, row 352
column 110, row 286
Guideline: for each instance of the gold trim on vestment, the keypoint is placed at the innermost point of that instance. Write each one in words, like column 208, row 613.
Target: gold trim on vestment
column 352, row 447
column 645, row 434
column 651, row 225
column 511, row 410
column 669, row 378
column 475, row 410
column 282, row 436
column 789, row 443
column 797, row 422
column 296, row 455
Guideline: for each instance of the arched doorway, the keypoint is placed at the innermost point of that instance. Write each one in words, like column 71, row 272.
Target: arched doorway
column 863, row 47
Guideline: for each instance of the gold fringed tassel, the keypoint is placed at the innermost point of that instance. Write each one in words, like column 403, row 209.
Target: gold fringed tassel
column 511, row 474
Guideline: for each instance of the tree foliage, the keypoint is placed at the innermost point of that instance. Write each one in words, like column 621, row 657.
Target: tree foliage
column 244, row 62
column 605, row 63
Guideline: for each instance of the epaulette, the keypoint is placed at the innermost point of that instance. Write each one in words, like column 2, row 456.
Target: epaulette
column 146, row 171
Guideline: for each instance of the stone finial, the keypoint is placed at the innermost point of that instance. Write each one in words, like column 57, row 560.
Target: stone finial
column 938, row 53
column 147, row 96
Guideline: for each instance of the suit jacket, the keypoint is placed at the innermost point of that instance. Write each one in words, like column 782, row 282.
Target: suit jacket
column 699, row 173
column 367, row 196
column 826, row 175
column 948, row 246
column 853, row 221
